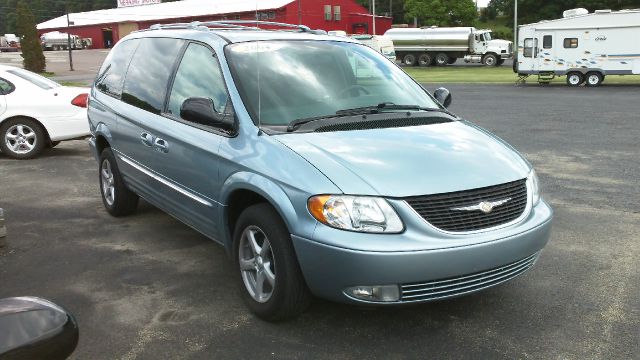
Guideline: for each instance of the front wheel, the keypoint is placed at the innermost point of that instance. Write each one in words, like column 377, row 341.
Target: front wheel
column 490, row 60
column 268, row 271
column 116, row 197
column 22, row 138
column 594, row 79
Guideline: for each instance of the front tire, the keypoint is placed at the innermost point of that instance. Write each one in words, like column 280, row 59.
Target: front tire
column 116, row 197
column 22, row 138
column 594, row 79
column 269, row 276
column 490, row 60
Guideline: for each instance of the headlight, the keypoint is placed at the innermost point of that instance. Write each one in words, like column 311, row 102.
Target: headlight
column 532, row 179
column 355, row 213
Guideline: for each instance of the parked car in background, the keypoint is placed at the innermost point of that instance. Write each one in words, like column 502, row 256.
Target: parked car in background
column 36, row 112
column 316, row 180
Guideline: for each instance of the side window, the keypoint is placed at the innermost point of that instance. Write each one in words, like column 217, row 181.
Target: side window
column 198, row 75
column 530, row 47
column 547, row 42
column 6, row 87
column 111, row 76
column 570, row 43
column 148, row 75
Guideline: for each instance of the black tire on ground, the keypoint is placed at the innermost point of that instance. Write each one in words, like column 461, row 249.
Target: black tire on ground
column 575, row 78
column 452, row 60
column 409, row 59
column 515, row 65
column 122, row 201
column 289, row 295
column 441, row 59
column 500, row 62
column 22, row 138
column 424, row 59
column 490, row 60
column 55, row 143
column 593, row 79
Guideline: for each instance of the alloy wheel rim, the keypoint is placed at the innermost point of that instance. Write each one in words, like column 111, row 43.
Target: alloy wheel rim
column 490, row 61
column 257, row 264
column 108, row 183
column 20, row 139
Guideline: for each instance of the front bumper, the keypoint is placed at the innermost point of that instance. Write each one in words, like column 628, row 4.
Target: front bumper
column 506, row 56
column 329, row 269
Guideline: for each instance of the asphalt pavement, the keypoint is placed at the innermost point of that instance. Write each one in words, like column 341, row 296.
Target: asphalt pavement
column 147, row 286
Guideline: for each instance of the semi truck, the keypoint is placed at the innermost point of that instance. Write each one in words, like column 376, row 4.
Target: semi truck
column 440, row 46
column 585, row 47
column 56, row 40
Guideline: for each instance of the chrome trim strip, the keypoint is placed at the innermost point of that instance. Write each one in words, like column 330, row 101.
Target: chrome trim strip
column 525, row 213
column 164, row 181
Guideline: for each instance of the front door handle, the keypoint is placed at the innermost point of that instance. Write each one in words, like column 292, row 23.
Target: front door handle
column 147, row 139
column 161, row 145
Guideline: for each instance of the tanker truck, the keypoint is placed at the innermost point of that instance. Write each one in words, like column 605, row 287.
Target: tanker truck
column 441, row 46
column 56, row 40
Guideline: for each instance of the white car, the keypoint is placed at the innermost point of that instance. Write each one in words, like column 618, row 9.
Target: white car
column 36, row 112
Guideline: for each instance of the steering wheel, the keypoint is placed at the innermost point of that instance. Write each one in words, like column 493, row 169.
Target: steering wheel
column 353, row 87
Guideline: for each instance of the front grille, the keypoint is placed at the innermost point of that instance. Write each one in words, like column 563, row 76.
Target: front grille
column 439, row 211
column 444, row 288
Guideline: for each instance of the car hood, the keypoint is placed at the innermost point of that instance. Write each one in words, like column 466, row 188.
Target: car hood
column 408, row 161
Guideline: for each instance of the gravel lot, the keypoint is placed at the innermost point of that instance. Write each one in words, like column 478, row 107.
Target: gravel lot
column 147, row 286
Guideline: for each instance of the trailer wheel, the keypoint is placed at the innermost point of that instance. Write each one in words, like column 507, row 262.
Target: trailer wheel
column 442, row 59
column 575, row 78
column 424, row 59
column 594, row 79
column 409, row 60
column 490, row 60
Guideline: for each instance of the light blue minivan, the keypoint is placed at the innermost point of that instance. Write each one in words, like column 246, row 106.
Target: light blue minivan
column 320, row 166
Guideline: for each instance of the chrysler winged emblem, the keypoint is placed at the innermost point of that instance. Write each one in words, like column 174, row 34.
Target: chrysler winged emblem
column 485, row 206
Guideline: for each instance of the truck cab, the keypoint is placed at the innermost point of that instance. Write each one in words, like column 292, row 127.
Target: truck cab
column 484, row 48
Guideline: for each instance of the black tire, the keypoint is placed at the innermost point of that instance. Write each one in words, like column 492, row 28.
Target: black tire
column 490, row 60
column 424, row 59
column 289, row 295
column 575, row 78
column 123, row 201
column 500, row 62
column 452, row 60
column 441, row 59
column 593, row 79
column 22, row 138
column 409, row 59
column 55, row 143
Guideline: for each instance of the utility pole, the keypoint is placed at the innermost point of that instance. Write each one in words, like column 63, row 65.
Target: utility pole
column 515, row 26
column 374, row 17
column 69, row 42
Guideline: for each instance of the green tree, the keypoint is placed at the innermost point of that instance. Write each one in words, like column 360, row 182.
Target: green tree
column 33, row 58
column 441, row 12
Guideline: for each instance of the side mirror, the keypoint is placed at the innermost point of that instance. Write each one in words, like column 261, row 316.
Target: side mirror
column 443, row 96
column 34, row 328
column 201, row 111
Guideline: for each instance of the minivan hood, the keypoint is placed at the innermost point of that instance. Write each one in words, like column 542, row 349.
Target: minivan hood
column 408, row 161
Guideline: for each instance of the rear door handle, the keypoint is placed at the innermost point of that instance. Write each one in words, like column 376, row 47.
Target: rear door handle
column 161, row 145
column 147, row 139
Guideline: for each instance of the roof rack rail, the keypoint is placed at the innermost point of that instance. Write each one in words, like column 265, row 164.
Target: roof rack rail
column 233, row 24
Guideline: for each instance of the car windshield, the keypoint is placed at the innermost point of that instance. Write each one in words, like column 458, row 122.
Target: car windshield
column 35, row 79
column 282, row 81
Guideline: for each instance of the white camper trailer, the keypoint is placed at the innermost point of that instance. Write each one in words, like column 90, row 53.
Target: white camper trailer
column 586, row 47
column 379, row 43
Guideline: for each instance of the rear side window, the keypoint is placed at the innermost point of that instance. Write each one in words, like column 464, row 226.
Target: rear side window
column 111, row 75
column 6, row 87
column 547, row 41
column 35, row 79
column 199, row 75
column 570, row 43
column 149, row 72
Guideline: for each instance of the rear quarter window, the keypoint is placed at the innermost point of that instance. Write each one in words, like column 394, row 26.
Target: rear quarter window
column 111, row 76
column 148, row 76
column 6, row 87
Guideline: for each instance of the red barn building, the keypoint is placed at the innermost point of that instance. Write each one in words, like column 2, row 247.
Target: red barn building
column 106, row 27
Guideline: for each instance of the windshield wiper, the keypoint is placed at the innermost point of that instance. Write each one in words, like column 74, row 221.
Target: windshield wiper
column 362, row 111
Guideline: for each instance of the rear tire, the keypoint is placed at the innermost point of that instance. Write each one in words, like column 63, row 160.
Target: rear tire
column 263, row 254
column 452, row 60
column 55, row 143
column 116, row 197
column 442, row 59
column 22, row 138
column 409, row 59
column 575, row 78
column 593, row 79
column 424, row 60
column 490, row 60
column 500, row 62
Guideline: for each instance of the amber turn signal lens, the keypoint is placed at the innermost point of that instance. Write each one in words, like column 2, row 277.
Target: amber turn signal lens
column 316, row 207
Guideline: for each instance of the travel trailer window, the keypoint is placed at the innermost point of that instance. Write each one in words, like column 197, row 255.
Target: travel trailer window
column 570, row 43
column 547, row 42
column 529, row 45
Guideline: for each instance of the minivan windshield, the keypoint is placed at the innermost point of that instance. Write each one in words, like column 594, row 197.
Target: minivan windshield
column 283, row 81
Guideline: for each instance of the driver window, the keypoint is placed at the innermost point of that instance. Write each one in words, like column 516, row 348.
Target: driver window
column 199, row 75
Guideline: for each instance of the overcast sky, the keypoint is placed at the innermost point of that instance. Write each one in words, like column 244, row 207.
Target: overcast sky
column 483, row 3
